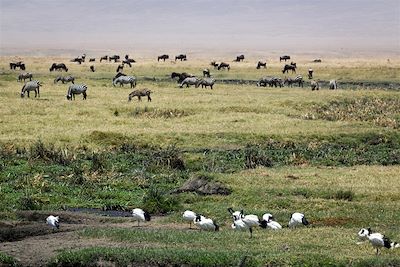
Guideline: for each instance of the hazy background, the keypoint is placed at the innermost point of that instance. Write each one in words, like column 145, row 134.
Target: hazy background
column 199, row 26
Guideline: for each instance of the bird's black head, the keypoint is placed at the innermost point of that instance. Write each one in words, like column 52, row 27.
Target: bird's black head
column 147, row 216
column 198, row 218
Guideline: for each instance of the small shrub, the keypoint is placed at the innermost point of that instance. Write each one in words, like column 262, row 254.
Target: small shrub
column 116, row 113
column 170, row 157
column 158, row 202
column 30, row 202
column 347, row 195
column 256, row 156
column 99, row 163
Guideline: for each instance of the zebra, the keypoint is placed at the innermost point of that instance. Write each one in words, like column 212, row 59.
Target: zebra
column 76, row 89
column 139, row 94
column 125, row 80
column 206, row 73
column 332, row 84
column 31, row 86
column 189, row 81
column 314, row 85
column 24, row 76
column 298, row 79
column 264, row 81
column 65, row 79
column 205, row 82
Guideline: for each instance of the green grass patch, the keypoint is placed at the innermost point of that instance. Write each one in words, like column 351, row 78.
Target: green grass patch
column 6, row 260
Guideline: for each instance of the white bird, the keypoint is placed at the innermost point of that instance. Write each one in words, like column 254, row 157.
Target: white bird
column 377, row 240
column 297, row 219
column 269, row 222
column 140, row 215
column 205, row 223
column 189, row 216
column 244, row 222
column 363, row 235
column 53, row 221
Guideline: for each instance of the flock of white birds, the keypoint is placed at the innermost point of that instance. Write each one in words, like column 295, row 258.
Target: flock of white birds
column 244, row 222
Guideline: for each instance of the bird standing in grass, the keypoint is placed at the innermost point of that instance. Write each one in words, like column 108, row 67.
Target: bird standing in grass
column 244, row 222
column 269, row 222
column 140, row 215
column 377, row 240
column 53, row 221
column 205, row 223
column 189, row 216
column 297, row 219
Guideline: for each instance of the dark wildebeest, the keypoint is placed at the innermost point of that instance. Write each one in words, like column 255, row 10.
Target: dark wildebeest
column 310, row 73
column 332, row 84
column 76, row 89
column 189, row 81
column 123, row 79
column 60, row 66
column 284, row 58
column 139, row 94
column 163, row 57
column 261, row 64
column 314, row 85
column 103, row 58
column 287, row 67
column 181, row 76
column 24, row 76
column 92, row 68
column 114, row 57
column 78, row 59
column 119, row 74
column 224, row 65
column 15, row 65
column 92, row 59
column 65, row 79
column 205, row 82
column 127, row 62
column 31, row 86
column 239, row 58
column 298, row 79
column 120, row 67
column 214, row 64
column 317, row 60
column 206, row 73
column 181, row 57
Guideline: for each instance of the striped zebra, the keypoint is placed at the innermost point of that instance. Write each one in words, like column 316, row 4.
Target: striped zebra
column 332, row 84
column 24, row 76
column 31, row 86
column 65, row 79
column 206, row 82
column 189, row 81
column 125, row 80
column 298, row 79
column 76, row 89
column 314, row 85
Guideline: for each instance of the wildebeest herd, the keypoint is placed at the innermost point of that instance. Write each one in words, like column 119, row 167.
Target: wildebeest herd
column 183, row 79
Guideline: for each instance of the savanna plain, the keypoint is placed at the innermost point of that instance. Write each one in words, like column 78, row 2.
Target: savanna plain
column 331, row 154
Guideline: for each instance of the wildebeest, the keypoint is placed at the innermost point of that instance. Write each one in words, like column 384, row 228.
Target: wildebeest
column 92, row 59
column 181, row 57
column 224, row 65
column 119, row 74
column 120, row 67
column 214, row 64
column 261, row 64
column 298, row 79
column 291, row 67
column 206, row 73
column 205, row 82
column 310, row 73
column 163, row 57
column 114, row 57
column 125, row 80
column 127, row 62
column 24, row 76
column 317, row 60
column 314, row 85
column 103, row 58
column 31, row 86
column 189, row 81
column 65, row 79
column 239, row 58
column 181, row 76
column 285, row 57
column 92, row 68
column 332, row 84
column 60, row 66
column 19, row 64
column 139, row 93
column 77, row 59
column 76, row 89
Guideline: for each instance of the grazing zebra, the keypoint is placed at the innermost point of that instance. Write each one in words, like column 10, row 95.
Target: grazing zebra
column 163, row 57
column 314, row 85
column 239, row 58
column 298, row 79
column 206, row 73
column 76, row 89
column 264, row 81
column 261, row 64
column 92, row 68
column 139, row 94
column 92, row 59
column 25, row 76
column 205, row 82
column 189, row 81
column 125, row 80
column 181, row 57
column 332, row 84
column 284, row 58
column 310, row 74
column 103, row 58
column 31, row 86
column 224, row 65
column 60, row 66
column 214, row 64
column 19, row 64
column 120, row 67
column 65, row 79
column 181, row 76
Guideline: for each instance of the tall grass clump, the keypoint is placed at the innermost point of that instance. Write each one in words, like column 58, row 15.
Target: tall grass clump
column 157, row 201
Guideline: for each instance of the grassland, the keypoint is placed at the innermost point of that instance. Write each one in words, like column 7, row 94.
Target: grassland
column 333, row 155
